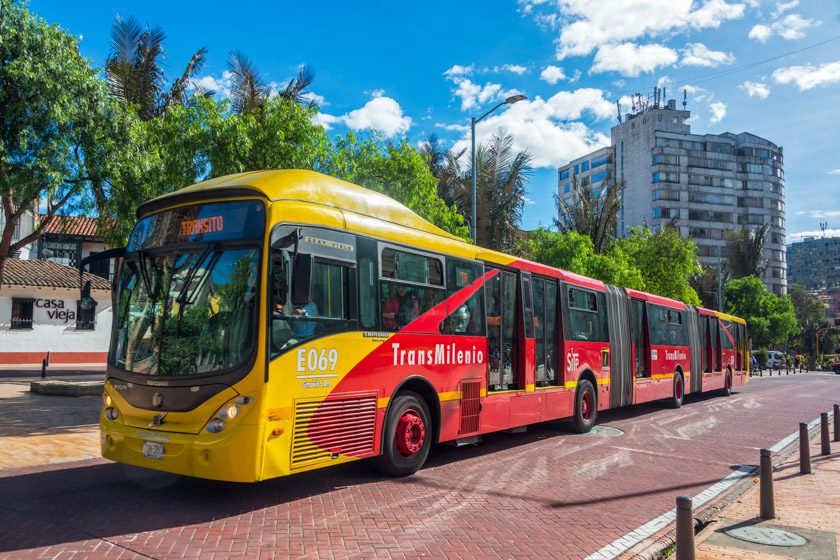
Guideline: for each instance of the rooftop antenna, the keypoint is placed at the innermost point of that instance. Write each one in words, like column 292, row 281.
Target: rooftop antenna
column 685, row 98
column 823, row 226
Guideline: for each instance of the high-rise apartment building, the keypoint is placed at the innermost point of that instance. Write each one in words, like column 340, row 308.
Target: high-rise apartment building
column 707, row 184
column 814, row 263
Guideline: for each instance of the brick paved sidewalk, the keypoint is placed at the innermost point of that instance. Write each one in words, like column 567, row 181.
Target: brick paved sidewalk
column 807, row 505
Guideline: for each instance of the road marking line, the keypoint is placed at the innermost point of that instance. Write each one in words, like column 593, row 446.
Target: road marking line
column 634, row 537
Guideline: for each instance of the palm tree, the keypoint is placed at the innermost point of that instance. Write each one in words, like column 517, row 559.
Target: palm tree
column 592, row 214
column 446, row 168
column 706, row 284
column 134, row 68
column 501, row 175
column 249, row 90
column 745, row 252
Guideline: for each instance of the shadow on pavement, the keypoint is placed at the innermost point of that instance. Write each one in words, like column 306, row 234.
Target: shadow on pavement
column 28, row 414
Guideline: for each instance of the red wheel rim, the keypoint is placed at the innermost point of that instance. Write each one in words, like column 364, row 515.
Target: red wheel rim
column 410, row 434
column 679, row 388
column 587, row 406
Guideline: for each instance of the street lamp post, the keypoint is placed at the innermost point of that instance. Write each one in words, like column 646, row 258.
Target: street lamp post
column 509, row 101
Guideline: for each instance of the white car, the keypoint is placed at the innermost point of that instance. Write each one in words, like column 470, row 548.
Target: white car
column 775, row 359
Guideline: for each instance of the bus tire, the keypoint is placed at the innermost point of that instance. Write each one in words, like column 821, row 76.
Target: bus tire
column 676, row 399
column 727, row 384
column 406, row 436
column 586, row 407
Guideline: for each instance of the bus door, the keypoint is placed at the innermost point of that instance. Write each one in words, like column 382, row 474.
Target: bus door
column 695, row 343
column 502, row 358
column 716, row 334
column 639, row 340
column 527, row 358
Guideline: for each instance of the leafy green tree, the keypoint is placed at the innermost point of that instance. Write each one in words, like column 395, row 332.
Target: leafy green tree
column 706, row 284
column 444, row 165
column 281, row 135
column 810, row 315
column 589, row 213
column 770, row 318
column 61, row 131
column 745, row 252
column 575, row 252
column 397, row 171
column 666, row 261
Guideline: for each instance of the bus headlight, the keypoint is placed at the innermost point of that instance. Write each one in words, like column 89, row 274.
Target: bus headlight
column 227, row 413
column 216, row 425
column 106, row 399
column 112, row 413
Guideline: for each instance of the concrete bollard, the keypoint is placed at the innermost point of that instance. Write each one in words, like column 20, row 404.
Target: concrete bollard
column 804, row 449
column 837, row 422
column 685, row 529
column 824, row 439
column 767, row 507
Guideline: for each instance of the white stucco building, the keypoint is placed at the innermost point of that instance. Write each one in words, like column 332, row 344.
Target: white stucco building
column 40, row 313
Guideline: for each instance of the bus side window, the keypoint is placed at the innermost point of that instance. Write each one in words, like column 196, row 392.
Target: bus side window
column 367, row 293
column 465, row 317
column 587, row 316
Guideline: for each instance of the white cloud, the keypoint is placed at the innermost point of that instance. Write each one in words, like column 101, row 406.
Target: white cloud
column 756, row 89
column 760, row 33
column 313, row 97
column 823, row 214
column 548, row 128
column 718, row 110
column 800, row 235
column 809, row 76
column 782, row 7
column 382, row 114
column 221, row 85
column 589, row 26
column 552, row 74
column 458, row 70
column 698, row 54
column 377, row 93
column 453, row 127
column 575, row 77
column 834, row 172
column 472, row 94
column 631, row 59
column 530, row 201
column 790, row 27
column 513, row 68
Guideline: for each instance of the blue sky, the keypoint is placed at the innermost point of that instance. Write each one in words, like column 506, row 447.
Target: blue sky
column 408, row 71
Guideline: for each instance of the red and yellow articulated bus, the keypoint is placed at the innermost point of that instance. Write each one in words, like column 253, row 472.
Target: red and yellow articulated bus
column 275, row 322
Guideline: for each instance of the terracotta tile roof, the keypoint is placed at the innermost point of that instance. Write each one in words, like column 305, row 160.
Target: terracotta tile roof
column 17, row 272
column 82, row 226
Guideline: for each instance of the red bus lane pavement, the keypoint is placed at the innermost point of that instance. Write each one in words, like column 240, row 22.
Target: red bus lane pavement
column 540, row 494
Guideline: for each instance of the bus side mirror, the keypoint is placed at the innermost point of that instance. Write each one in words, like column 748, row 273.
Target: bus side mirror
column 302, row 279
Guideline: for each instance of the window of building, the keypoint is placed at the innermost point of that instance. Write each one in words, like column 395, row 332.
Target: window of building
column 719, row 147
column 710, row 198
column 599, row 161
column 584, row 166
column 666, row 194
column 777, row 238
column 666, row 213
column 777, row 221
column 751, row 219
column 577, row 169
column 750, row 202
column 598, row 177
column 22, row 313
column 564, row 174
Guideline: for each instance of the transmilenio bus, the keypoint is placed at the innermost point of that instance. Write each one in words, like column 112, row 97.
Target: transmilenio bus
column 275, row 322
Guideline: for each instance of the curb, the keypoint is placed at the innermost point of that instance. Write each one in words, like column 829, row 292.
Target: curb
column 650, row 540
column 68, row 388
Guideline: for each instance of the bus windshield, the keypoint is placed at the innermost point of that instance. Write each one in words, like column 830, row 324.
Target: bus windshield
column 189, row 306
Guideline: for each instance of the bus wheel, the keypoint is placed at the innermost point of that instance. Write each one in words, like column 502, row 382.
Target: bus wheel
column 406, row 436
column 586, row 407
column 679, row 391
column 727, row 384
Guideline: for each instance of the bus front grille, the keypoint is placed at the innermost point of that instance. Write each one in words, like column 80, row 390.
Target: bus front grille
column 325, row 429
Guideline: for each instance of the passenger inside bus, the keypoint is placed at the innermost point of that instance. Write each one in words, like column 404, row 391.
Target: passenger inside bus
column 400, row 308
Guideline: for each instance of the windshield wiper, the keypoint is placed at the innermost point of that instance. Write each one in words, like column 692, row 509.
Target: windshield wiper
column 186, row 292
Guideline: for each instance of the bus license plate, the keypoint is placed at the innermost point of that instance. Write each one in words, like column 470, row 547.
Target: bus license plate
column 152, row 450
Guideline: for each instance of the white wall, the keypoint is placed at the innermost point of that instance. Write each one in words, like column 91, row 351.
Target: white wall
column 54, row 334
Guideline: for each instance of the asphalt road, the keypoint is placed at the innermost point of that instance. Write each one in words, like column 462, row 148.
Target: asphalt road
column 540, row 494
